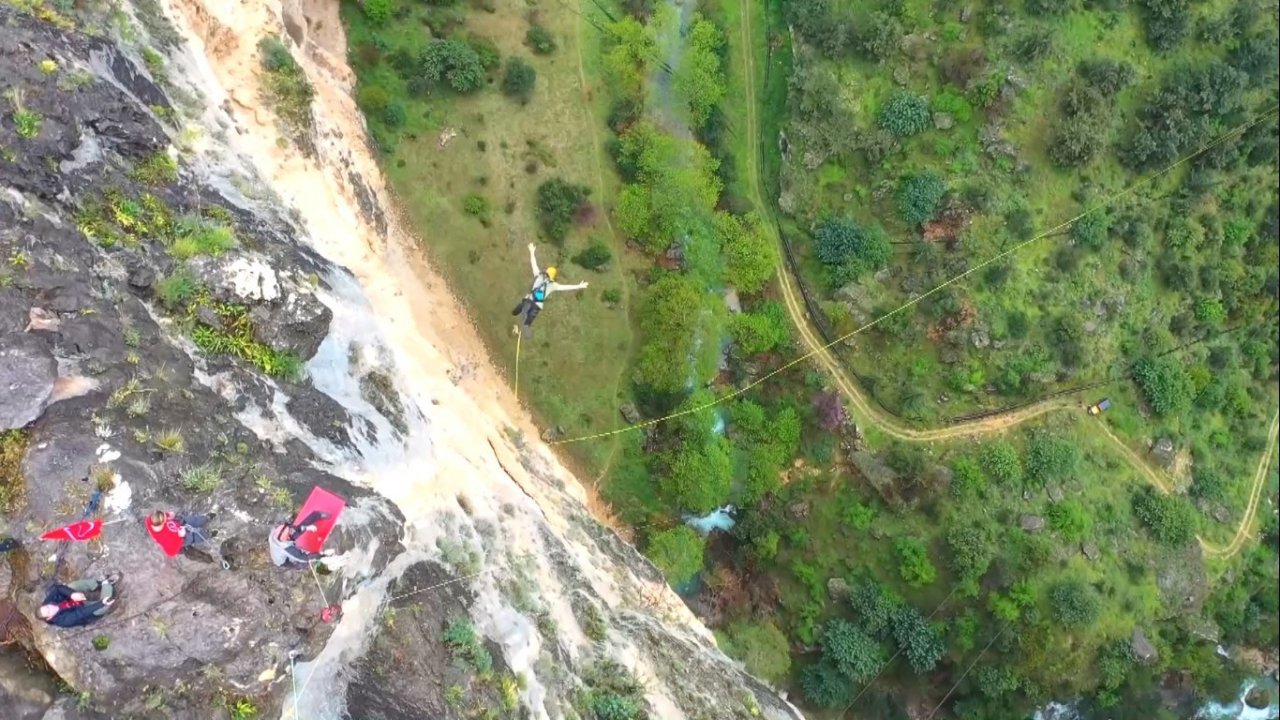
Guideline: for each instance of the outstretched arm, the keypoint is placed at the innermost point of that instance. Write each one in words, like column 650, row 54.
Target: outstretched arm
column 533, row 259
column 558, row 286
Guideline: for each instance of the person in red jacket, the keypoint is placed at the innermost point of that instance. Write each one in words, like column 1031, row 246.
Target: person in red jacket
column 174, row 532
column 69, row 605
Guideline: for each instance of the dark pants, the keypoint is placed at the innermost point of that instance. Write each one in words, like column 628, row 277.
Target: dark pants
column 312, row 518
column 530, row 308
column 195, row 528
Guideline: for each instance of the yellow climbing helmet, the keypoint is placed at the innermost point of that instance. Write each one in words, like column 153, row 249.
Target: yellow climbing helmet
column 551, row 272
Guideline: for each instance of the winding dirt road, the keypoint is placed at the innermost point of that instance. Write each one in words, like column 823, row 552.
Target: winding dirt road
column 866, row 412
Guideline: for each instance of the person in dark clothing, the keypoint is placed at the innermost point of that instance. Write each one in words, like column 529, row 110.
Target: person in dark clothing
column 69, row 605
column 282, row 543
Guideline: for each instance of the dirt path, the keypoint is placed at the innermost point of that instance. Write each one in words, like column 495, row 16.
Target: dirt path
column 867, row 413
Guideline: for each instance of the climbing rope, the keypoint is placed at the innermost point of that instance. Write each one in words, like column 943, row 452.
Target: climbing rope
column 516, row 391
column 1106, row 202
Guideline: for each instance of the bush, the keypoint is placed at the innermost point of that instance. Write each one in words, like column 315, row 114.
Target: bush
column 558, row 203
column 677, row 553
column 1050, row 458
column 373, row 99
column 1090, row 231
column 1210, row 312
column 905, row 115
column 953, row 104
column 698, row 479
column 1074, row 603
column 971, row 552
column 1108, row 77
column 1208, row 484
column 378, row 11
column 477, row 206
column 518, row 80
column 1076, row 141
column 760, row 332
column 824, row 686
column 877, row 36
column 394, row 116
column 1048, row 8
column 857, row 250
column 286, row 86
column 967, row 479
column 1170, row 519
column 485, row 49
column 539, row 40
column 913, row 562
column 1069, row 519
column 596, row 256
column 1001, row 462
column 919, row 197
column 1165, row 384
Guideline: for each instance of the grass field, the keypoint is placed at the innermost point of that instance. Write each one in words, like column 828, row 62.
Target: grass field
column 454, row 148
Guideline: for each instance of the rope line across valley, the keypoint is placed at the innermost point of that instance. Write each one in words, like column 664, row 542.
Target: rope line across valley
column 1105, row 203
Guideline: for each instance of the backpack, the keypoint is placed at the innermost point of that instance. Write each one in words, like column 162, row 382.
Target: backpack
column 540, row 286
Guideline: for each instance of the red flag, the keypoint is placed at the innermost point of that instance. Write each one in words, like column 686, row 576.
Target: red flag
column 83, row 530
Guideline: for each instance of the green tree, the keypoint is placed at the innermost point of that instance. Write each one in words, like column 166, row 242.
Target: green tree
column 1210, row 312
column 518, row 80
column 919, row 197
column 1165, row 383
column 670, row 315
column 1172, row 520
column 996, row 682
column 760, row 332
column 699, row 79
column 913, row 562
column 750, row 256
column 825, row 686
column 677, row 553
column 761, row 646
column 971, row 551
column 594, row 257
column 1002, row 463
column 850, row 651
column 917, row 639
column 1069, row 519
column 1075, row 604
column 874, row 607
column 675, row 186
column 629, row 46
column 699, row 477
column 558, row 202
column 1090, row 231
column 454, row 62
column 1166, row 22
column 905, row 114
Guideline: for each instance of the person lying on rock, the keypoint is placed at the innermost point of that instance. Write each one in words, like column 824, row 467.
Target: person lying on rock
column 69, row 605
column 544, row 283
column 175, row 532
column 283, row 542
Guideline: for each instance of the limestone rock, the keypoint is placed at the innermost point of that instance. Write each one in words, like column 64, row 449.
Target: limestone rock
column 630, row 414
column 1031, row 523
column 1143, row 651
column 27, row 373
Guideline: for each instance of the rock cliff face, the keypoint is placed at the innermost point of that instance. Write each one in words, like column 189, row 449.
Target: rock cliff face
column 198, row 314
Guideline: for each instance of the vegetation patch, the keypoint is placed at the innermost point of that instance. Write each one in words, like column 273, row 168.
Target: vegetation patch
column 13, row 487
column 286, row 87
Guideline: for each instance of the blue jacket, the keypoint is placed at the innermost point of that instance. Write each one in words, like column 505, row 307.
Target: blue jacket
column 82, row 614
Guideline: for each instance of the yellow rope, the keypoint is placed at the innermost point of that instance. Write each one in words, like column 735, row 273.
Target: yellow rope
column 516, row 391
column 1110, row 200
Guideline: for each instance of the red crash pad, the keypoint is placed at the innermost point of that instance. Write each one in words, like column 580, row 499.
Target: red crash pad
column 323, row 501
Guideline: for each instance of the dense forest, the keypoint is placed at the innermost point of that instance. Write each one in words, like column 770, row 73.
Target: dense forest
column 1119, row 158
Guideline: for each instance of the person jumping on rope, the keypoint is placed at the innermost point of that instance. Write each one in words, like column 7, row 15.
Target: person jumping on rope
column 544, row 283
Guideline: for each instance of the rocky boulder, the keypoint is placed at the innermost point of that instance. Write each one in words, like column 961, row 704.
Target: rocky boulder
column 27, row 374
column 1031, row 523
column 1142, row 649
